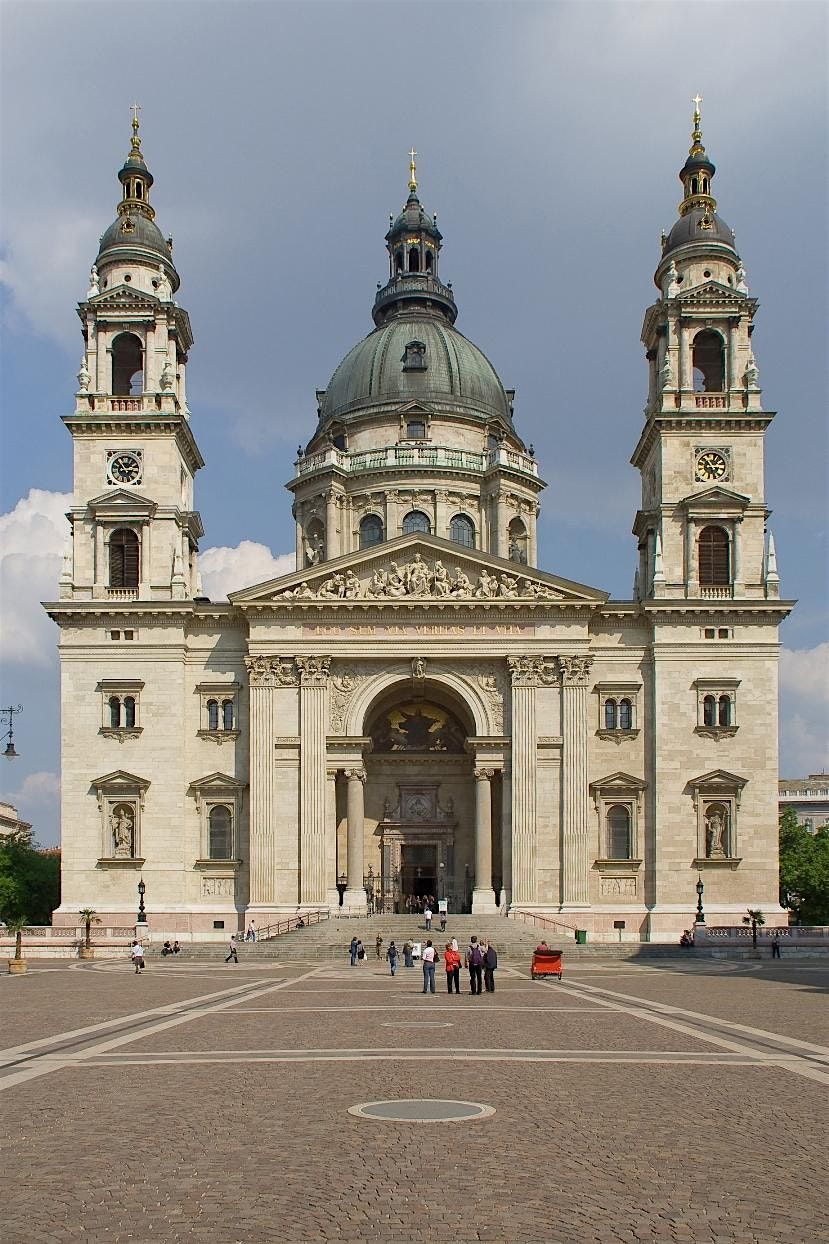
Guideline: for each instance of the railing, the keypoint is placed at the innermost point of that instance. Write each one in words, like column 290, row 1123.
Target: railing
column 413, row 282
column 711, row 401
column 122, row 593
column 64, row 933
column 795, row 933
column 300, row 921
column 545, row 922
column 716, row 593
column 416, row 456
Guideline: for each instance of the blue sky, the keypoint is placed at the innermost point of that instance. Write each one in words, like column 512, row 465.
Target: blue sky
column 550, row 136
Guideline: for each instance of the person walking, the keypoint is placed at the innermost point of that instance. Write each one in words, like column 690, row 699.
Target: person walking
column 378, row 945
column 443, row 920
column 490, row 964
column 391, row 955
column 137, row 953
column 452, row 963
column 408, row 961
column 352, row 950
column 361, row 952
column 429, row 956
column 427, row 916
column 475, row 963
column 231, row 954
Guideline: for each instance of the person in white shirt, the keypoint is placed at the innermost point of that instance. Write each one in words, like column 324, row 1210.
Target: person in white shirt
column 429, row 956
column 137, row 953
column 427, row 916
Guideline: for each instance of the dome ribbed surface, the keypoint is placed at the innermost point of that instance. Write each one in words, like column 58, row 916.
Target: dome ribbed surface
column 146, row 236
column 687, row 230
column 457, row 371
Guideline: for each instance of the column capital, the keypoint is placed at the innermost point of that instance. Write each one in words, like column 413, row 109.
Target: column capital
column 269, row 671
column 313, row 671
column 574, row 670
column 356, row 775
column 531, row 671
column 484, row 775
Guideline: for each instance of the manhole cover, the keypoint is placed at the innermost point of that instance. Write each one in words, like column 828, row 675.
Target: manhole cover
column 420, row 1110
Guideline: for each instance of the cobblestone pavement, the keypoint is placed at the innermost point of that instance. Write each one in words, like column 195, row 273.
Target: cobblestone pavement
column 206, row 1104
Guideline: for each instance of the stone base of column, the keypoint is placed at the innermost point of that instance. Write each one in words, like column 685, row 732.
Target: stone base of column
column 355, row 903
column 332, row 900
column 483, row 903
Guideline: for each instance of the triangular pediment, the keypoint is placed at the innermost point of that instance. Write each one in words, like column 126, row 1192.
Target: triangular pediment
column 618, row 781
column 216, row 781
column 716, row 498
column 121, row 503
column 415, row 408
column 120, row 779
column 124, row 296
column 717, row 780
column 710, row 291
column 419, row 569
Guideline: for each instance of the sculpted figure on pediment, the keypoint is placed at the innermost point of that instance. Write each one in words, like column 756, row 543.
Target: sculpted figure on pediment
column 378, row 584
column 441, row 584
column 461, row 585
column 351, row 586
column 417, row 577
column 395, row 585
column 487, row 585
column 508, row 586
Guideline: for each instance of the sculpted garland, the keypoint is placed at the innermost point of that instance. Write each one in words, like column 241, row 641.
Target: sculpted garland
column 419, row 579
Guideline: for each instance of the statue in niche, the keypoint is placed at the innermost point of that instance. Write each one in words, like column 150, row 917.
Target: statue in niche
column 122, row 824
column 716, row 833
column 163, row 288
column 517, row 553
column 314, row 549
column 418, row 667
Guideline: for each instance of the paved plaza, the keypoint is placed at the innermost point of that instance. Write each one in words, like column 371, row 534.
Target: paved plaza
column 632, row 1101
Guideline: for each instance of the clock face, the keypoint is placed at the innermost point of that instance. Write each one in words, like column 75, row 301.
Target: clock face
column 711, row 465
column 125, row 469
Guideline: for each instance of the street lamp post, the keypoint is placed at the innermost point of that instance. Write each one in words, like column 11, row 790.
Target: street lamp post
column 9, row 712
column 142, row 915
column 700, row 891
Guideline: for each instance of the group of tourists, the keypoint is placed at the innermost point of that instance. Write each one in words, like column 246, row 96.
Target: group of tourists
column 480, row 959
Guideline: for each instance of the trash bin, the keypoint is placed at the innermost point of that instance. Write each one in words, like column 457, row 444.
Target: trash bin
column 581, row 937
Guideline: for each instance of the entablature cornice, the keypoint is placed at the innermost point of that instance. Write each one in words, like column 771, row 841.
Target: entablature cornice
column 143, row 423
column 712, row 421
column 749, row 609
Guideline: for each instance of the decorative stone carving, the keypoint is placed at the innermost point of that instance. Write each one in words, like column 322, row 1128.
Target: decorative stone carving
column 418, row 579
column 716, row 832
column 313, row 671
column 84, row 377
column 531, row 672
column 574, row 670
column 122, row 824
column 217, row 887
column 94, row 287
column 618, row 886
column 418, row 667
column 163, row 288
column 671, row 282
column 272, row 671
column 167, row 377
column 752, row 373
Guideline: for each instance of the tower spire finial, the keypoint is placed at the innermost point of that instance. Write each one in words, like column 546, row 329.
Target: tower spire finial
column 412, row 171
column 136, row 140
column 696, row 136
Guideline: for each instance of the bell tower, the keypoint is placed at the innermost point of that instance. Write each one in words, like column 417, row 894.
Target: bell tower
column 134, row 531
column 702, row 525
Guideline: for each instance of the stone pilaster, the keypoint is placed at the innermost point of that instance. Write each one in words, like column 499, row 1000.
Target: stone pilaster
column 355, row 894
column 483, row 897
column 265, row 674
column 332, row 894
column 575, row 863
column 526, row 673
column 313, row 719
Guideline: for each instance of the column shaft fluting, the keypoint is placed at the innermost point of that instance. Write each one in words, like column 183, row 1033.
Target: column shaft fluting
column 262, row 796
column 483, row 897
column 575, row 887
column 356, row 834
column 523, row 794
column 312, row 728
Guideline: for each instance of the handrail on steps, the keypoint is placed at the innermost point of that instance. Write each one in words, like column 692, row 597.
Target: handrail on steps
column 546, row 922
column 300, row 921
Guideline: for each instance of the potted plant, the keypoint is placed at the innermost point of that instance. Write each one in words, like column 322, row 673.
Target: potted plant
column 89, row 917
column 756, row 919
column 18, row 964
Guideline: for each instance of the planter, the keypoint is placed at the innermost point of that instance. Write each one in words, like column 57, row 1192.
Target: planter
column 17, row 967
column 86, row 952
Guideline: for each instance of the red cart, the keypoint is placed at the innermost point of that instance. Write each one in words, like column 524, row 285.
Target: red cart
column 546, row 963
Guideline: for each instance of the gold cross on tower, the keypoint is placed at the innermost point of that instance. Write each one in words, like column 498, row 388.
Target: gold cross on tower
column 136, row 108
column 412, row 170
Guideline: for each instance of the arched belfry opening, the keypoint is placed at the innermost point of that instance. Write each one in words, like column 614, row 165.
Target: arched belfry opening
column 420, row 800
column 127, row 365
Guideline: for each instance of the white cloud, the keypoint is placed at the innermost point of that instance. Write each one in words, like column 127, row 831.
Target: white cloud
column 804, row 710
column 37, row 801
column 32, row 537
column 43, row 266
column 226, row 570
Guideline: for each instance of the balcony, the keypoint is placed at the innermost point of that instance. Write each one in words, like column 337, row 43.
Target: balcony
column 716, row 593
column 417, row 457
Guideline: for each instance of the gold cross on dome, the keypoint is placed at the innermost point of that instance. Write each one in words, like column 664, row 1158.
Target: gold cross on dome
column 412, row 170
column 696, row 101
column 136, row 108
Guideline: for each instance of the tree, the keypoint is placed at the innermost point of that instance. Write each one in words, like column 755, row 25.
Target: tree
column 804, row 870
column 29, row 880
column 89, row 917
column 756, row 919
column 16, row 926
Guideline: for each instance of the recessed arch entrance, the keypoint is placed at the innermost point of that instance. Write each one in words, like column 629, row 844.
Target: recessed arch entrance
column 431, row 814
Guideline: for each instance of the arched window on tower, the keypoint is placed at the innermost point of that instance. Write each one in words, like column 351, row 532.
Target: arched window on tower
column 625, row 715
column 708, row 362
column 398, row 260
column 414, row 259
column 416, row 521
column 462, row 530
column 714, row 560
column 220, row 832
column 618, row 832
column 429, row 261
column 227, row 714
column 724, row 711
column 127, row 365
column 129, row 712
column 114, row 712
column 123, row 558
column 371, row 530
column 709, row 711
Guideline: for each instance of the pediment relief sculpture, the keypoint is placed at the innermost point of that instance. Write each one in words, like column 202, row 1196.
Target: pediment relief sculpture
column 421, row 579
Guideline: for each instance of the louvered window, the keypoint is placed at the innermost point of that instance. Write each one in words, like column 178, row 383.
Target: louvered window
column 714, row 568
column 123, row 558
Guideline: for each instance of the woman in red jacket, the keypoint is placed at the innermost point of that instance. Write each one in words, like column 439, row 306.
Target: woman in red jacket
column 452, row 963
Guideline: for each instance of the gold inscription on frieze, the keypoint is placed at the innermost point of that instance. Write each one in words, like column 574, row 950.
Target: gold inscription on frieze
column 431, row 630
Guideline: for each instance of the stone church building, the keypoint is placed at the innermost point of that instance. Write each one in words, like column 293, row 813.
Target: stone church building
column 420, row 709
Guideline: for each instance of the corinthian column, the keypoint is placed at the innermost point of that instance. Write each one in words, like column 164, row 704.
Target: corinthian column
column 355, row 894
column 526, row 673
column 313, row 716
column 265, row 675
column 483, row 896
column 575, row 864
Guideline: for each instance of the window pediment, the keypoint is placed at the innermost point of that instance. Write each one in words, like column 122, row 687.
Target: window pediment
column 618, row 782
column 122, row 506
column 120, row 781
column 718, row 500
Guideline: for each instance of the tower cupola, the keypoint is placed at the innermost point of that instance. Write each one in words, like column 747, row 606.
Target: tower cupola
column 413, row 242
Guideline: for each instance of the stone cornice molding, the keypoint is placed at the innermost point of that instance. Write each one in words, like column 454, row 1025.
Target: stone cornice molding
column 267, row 671
column 313, row 671
column 574, row 671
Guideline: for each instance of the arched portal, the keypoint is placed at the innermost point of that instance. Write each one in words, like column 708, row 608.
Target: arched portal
column 431, row 819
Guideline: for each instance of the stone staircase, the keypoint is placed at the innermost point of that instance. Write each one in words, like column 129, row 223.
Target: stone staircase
column 329, row 940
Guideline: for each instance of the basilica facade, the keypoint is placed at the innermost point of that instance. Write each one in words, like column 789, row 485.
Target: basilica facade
column 419, row 709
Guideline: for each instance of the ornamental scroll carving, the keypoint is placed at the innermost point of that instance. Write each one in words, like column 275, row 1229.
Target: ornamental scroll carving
column 532, row 672
column 574, row 670
column 489, row 681
column 342, row 687
column 419, row 578
column 272, row 671
column 313, row 671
